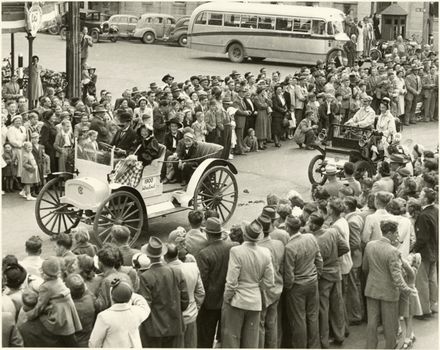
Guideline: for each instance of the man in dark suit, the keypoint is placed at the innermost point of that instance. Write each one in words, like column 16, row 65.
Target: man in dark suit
column 251, row 118
column 99, row 125
column 240, row 120
column 166, row 292
column 326, row 112
column 172, row 138
column 426, row 228
column 125, row 137
column 186, row 152
column 384, row 284
column 160, row 116
column 213, row 263
column 414, row 88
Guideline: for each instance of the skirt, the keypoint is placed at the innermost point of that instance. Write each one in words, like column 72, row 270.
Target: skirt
column 277, row 126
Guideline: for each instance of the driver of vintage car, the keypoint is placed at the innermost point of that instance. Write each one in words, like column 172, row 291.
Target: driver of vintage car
column 365, row 116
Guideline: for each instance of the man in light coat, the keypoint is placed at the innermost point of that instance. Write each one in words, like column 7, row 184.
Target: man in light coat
column 250, row 272
column 372, row 229
column 414, row 89
column 384, row 284
column 269, row 314
column 302, row 265
column 365, row 116
column 196, row 293
column 118, row 326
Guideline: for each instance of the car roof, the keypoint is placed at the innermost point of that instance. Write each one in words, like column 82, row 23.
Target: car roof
column 133, row 16
column 156, row 15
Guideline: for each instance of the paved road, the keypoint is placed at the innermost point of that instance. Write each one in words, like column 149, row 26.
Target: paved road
column 127, row 64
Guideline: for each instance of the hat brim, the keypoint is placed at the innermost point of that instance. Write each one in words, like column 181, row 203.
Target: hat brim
column 162, row 253
column 243, row 229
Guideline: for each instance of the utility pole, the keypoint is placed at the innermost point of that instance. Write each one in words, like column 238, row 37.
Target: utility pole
column 425, row 27
column 73, row 51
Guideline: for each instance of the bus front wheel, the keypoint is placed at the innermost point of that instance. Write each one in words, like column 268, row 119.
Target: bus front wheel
column 236, row 53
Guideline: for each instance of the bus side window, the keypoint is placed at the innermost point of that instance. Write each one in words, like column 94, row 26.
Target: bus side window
column 301, row 25
column 215, row 19
column 284, row 24
column 232, row 20
column 248, row 21
column 318, row 27
column 201, row 18
column 266, row 23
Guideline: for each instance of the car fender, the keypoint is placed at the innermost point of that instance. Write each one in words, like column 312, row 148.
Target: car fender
column 185, row 199
column 140, row 32
column 97, row 29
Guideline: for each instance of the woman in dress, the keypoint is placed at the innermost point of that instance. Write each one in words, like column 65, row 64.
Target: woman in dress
column 262, row 123
column 360, row 40
column 279, row 113
column 35, row 80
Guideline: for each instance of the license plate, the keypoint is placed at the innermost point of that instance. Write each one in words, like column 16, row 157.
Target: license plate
column 338, row 162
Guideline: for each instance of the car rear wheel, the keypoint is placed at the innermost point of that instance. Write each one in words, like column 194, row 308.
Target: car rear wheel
column 63, row 33
column 148, row 38
column 95, row 36
column 114, row 39
column 236, row 53
column 183, row 40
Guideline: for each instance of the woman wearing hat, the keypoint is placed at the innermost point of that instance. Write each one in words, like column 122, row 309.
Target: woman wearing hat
column 262, row 105
column 17, row 135
column 279, row 112
column 147, row 145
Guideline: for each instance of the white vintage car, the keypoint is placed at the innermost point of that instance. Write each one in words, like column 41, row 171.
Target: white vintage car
column 90, row 195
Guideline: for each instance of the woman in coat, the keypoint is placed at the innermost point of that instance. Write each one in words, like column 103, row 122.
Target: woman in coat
column 35, row 78
column 278, row 114
column 16, row 136
column 48, row 134
column 148, row 145
column 261, row 104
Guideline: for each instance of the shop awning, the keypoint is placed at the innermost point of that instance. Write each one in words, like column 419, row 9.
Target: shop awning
column 14, row 19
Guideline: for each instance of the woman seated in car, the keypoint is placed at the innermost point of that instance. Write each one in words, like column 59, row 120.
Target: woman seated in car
column 147, row 148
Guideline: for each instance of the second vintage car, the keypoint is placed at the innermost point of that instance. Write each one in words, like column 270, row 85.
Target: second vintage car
column 152, row 27
column 179, row 32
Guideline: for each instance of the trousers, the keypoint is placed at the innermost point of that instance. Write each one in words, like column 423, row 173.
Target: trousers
column 240, row 327
column 302, row 307
column 161, row 342
column 190, row 336
column 428, row 112
column 207, row 321
column 388, row 313
column 353, row 298
column 268, row 338
column 240, row 146
column 226, row 137
column 331, row 311
column 410, row 109
column 427, row 285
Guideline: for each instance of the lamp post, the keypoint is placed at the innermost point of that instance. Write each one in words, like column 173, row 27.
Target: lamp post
column 73, row 51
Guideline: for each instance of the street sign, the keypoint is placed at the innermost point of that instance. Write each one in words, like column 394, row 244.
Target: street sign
column 33, row 19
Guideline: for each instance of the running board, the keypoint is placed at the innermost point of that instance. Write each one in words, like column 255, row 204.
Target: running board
column 163, row 209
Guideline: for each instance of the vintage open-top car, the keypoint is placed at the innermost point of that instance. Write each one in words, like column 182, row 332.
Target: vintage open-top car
column 91, row 194
column 347, row 143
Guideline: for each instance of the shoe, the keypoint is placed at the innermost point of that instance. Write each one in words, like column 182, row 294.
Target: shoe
column 231, row 157
column 406, row 344
column 406, row 124
column 30, row 198
column 165, row 181
column 172, row 181
column 23, row 194
column 434, row 308
column 310, row 148
column 300, row 145
column 3, row 192
column 278, row 145
column 183, row 183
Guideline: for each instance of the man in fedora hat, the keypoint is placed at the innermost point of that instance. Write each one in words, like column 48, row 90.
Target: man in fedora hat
column 125, row 138
column 250, row 273
column 333, row 185
column 99, row 124
column 365, row 116
column 268, row 337
column 275, row 232
column 302, row 265
column 166, row 292
column 168, row 80
column 213, row 263
column 188, row 151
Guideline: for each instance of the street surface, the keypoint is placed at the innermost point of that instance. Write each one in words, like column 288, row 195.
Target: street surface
column 127, row 64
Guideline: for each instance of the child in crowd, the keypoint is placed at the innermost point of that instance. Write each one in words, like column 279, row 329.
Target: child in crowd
column 29, row 176
column 251, row 141
column 29, row 299
column 10, row 170
column 82, row 244
column 199, row 127
column 54, row 300
column 409, row 306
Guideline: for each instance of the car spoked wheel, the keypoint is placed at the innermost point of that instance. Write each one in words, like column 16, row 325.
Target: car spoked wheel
column 120, row 208
column 217, row 190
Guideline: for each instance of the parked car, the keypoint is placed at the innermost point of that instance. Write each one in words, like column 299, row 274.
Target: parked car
column 152, row 27
column 179, row 32
column 125, row 23
column 93, row 20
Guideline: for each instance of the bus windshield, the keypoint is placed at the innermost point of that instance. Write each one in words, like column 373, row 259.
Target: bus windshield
column 337, row 27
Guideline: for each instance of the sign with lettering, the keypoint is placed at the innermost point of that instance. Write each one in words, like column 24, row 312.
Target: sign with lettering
column 33, row 19
column 149, row 183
